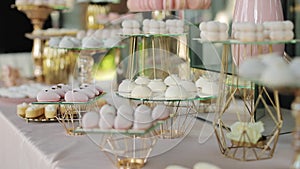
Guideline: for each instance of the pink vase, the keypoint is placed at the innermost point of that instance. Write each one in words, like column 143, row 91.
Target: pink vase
column 256, row 11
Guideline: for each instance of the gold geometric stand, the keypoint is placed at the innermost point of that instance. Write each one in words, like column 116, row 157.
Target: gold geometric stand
column 239, row 101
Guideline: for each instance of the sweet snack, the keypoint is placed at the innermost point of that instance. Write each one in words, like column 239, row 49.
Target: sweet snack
column 175, row 167
column 122, row 123
column 172, row 80
column 76, row 96
column 204, row 165
column 92, row 42
column 64, row 87
column 125, row 111
column 247, row 31
column 279, row 30
column 107, row 121
column 142, row 80
column 157, row 86
column 89, row 93
column 126, row 86
column 107, row 109
column 47, row 96
column 247, row 132
column 141, row 91
column 124, row 118
column 176, row 92
column 54, row 41
column 213, row 30
column 273, row 60
column 246, row 68
column 188, row 85
column 21, row 108
column 34, row 111
column 142, row 118
column 91, row 88
column 160, row 112
column 130, row 26
column 295, row 67
column 80, row 34
column 66, row 42
column 58, row 91
column 111, row 42
column 107, row 116
column 276, row 76
column 90, row 120
column 51, row 111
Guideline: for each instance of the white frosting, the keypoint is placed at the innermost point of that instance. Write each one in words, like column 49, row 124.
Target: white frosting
column 246, row 68
column 92, row 42
column 175, row 167
column 126, row 86
column 90, row 120
column 160, row 112
column 142, row 117
column 125, row 111
column 107, row 121
column 54, row 41
column 188, row 85
column 295, row 67
column 176, row 92
column 66, row 42
column 107, row 109
column 273, row 60
column 141, row 91
column 157, row 85
column 172, row 80
column 142, row 80
column 122, row 123
column 204, row 165
column 278, row 76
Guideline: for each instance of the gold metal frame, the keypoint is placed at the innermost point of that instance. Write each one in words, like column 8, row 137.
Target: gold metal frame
column 127, row 151
column 263, row 149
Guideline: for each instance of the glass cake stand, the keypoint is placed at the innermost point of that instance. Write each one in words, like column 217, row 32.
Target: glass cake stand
column 128, row 149
column 69, row 114
column 182, row 117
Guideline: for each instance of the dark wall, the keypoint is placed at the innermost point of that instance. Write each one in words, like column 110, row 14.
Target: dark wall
column 14, row 25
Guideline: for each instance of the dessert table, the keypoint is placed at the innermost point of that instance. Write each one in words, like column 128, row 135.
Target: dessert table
column 46, row 146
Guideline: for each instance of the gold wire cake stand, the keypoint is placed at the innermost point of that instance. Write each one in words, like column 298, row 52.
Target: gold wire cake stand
column 126, row 149
column 253, row 98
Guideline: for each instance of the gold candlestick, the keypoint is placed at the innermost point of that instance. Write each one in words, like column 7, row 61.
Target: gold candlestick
column 37, row 15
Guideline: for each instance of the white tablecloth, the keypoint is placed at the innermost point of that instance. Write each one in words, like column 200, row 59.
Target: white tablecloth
column 46, row 146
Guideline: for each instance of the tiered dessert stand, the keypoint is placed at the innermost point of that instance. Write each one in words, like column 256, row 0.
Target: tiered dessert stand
column 128, row 149
column 155, row 57
column 38, row 15
column 69, row 114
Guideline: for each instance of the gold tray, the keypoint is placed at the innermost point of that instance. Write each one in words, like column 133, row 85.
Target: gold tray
column 41, row 118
